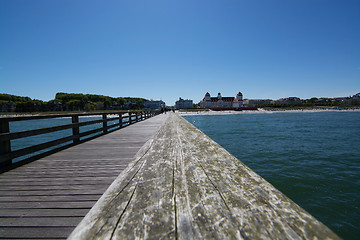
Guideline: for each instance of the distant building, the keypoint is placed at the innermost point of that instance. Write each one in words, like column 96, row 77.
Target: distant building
column 155, row 104
column 321, row 100
column 184, row 104
column 55, row 106
column 8, row 107
column 220, row 102
column 356, row 96
column 342, row 99
column 256, row 102
column 289, row 100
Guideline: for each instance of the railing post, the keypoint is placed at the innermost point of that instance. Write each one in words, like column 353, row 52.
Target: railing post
column 104, row 123
column 5, row 146
column 75, row 129
column 120, row 120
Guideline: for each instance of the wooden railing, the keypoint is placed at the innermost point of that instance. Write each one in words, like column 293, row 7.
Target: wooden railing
column 6, row 136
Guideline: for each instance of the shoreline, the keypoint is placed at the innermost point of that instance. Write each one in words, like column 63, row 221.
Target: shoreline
column 264, row 111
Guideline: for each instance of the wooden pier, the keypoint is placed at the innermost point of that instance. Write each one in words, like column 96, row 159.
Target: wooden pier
column 183, row 185
column 179, row 185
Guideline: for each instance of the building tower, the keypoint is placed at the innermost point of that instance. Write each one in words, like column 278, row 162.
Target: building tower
column 207, row 97
column 239, row 97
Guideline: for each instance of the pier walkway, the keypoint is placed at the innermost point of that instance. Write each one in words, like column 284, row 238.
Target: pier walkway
column 183, row 185
column 47, row 199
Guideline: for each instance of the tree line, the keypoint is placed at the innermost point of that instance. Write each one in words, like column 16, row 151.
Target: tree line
column 68, row 102
column 314, row 103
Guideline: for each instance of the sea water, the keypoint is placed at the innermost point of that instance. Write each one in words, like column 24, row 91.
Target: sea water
column 312, row 157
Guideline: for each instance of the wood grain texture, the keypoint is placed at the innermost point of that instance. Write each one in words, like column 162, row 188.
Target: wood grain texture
column 49, row 197
column 183, row 185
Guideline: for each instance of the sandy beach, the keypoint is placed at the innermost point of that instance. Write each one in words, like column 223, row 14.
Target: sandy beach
column 263, row 111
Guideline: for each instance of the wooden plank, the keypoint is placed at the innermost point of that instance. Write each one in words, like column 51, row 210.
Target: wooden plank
column 201, row 212
column 69, row 171
column 74, row 168
column 65, row 179
column 35, row 233
column 155, row 189
column 66, row 198
column 52, row 205
column 52, row 192
column 58, row 183
column 183, row 185
column 66, row 212
column 40, row 221
column 80, row 174
column 51, row 187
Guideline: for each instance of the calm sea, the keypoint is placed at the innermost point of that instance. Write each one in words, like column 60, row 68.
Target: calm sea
column 312, row 157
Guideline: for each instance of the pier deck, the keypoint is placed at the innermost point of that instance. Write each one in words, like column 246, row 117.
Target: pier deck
column 157, row 179
column 47, row 199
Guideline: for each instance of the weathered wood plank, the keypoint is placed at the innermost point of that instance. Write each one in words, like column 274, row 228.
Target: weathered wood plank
column 110, row 173
column 46, row 179
column 63, row 198
column 58, row 183
column 71, row 168
column 52, row 187
column 183, row 185
column 202, row 213
column 52, row 192
column 35, row 233
column 69, row 212
column 52, row 205
column 155, row 189
column 40, row 221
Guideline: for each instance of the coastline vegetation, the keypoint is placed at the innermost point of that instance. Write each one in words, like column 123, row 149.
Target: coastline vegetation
column 313, row 103
column 68, row 102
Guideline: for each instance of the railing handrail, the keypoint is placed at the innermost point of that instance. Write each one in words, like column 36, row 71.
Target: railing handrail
column 55, row 115
column 7, row 155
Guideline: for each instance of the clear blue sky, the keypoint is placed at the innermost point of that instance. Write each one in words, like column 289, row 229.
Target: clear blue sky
column 166, row 49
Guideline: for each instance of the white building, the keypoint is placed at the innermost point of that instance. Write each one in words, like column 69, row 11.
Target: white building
column 184, row 104
column 219, row 102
